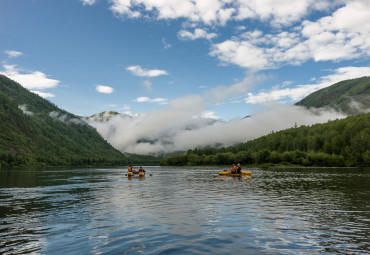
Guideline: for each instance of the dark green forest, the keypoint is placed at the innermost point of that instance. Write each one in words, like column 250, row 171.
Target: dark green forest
column 344, row 142
column 35, row 132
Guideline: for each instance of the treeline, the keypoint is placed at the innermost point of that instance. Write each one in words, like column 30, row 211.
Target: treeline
column 10, row 160
column 344, row 142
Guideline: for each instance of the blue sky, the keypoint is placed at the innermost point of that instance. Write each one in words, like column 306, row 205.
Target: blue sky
column 89, row 56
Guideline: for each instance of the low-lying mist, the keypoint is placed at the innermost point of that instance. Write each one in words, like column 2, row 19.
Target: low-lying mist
column 176, row 129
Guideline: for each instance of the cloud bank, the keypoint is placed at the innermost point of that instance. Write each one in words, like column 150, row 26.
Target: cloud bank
column 176, row 128
column 186, row 123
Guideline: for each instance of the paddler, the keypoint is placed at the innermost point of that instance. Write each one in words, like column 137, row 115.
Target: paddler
column 233, row 171
column 141, row 170
column 239, row 169
column 130, row 169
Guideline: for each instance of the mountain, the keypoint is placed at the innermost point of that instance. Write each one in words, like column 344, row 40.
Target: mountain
column 350, row 96
column 104, row 116
column 34, row 131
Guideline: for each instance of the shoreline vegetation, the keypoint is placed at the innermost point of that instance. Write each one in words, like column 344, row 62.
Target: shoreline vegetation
column 338, row 143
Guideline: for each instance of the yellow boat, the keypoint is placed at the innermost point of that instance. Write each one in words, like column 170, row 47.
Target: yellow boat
column 131, row 174
column 227, row 173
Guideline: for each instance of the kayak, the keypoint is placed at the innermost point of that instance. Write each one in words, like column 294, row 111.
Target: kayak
column 227, row 173
column 136, row 173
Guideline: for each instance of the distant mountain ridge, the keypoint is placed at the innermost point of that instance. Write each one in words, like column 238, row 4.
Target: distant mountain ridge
column 103, row 116
column 34, row 131
column 350, row 96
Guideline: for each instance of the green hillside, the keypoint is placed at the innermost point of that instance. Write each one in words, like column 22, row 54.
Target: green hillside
column 351, row 96
column 344, row 142
column 33, row 131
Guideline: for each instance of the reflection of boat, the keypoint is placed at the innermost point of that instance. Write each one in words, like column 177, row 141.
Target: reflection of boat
column 227, row 173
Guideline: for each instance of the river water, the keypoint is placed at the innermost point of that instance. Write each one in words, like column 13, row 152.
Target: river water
column 179, row 210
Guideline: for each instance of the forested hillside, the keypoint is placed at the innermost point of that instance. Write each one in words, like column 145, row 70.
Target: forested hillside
column 351, row 97
column 35, row 132
column 344, row 142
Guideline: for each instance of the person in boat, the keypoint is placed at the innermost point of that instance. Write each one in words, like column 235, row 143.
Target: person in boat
column 239, row 169
column 130, row 169
column 233, row 170
column 141, row 170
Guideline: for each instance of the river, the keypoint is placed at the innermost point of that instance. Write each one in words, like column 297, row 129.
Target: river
column 185, row 210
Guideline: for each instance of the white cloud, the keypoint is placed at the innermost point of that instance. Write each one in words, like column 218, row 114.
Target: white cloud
column 43, row 94
column 198, row 34
column 241, row 53
column 334, row 37
column 283, row 12
column 24, row 109
column 331, row 38
column 338, row 37
column 208, row 12
column 104, row 89
column 151, row 100
column 138, row 71
column 66, row 118
column 210, row 115
column 88, row 2
column 176, row 129
column 219, row 12
column 166, row 45
column 256, row 51
column 220, row 93
column 296, row 93
column 29, row 79
column 13, row 53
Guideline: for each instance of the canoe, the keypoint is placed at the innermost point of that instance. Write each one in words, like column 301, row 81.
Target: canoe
column 130, row 174
column 141, row 174
column 230, row 174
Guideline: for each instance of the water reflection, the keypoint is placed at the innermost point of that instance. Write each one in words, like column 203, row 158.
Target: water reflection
column 185, row 210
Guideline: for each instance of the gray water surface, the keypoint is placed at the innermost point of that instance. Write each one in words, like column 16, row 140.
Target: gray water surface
column 185, row 210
